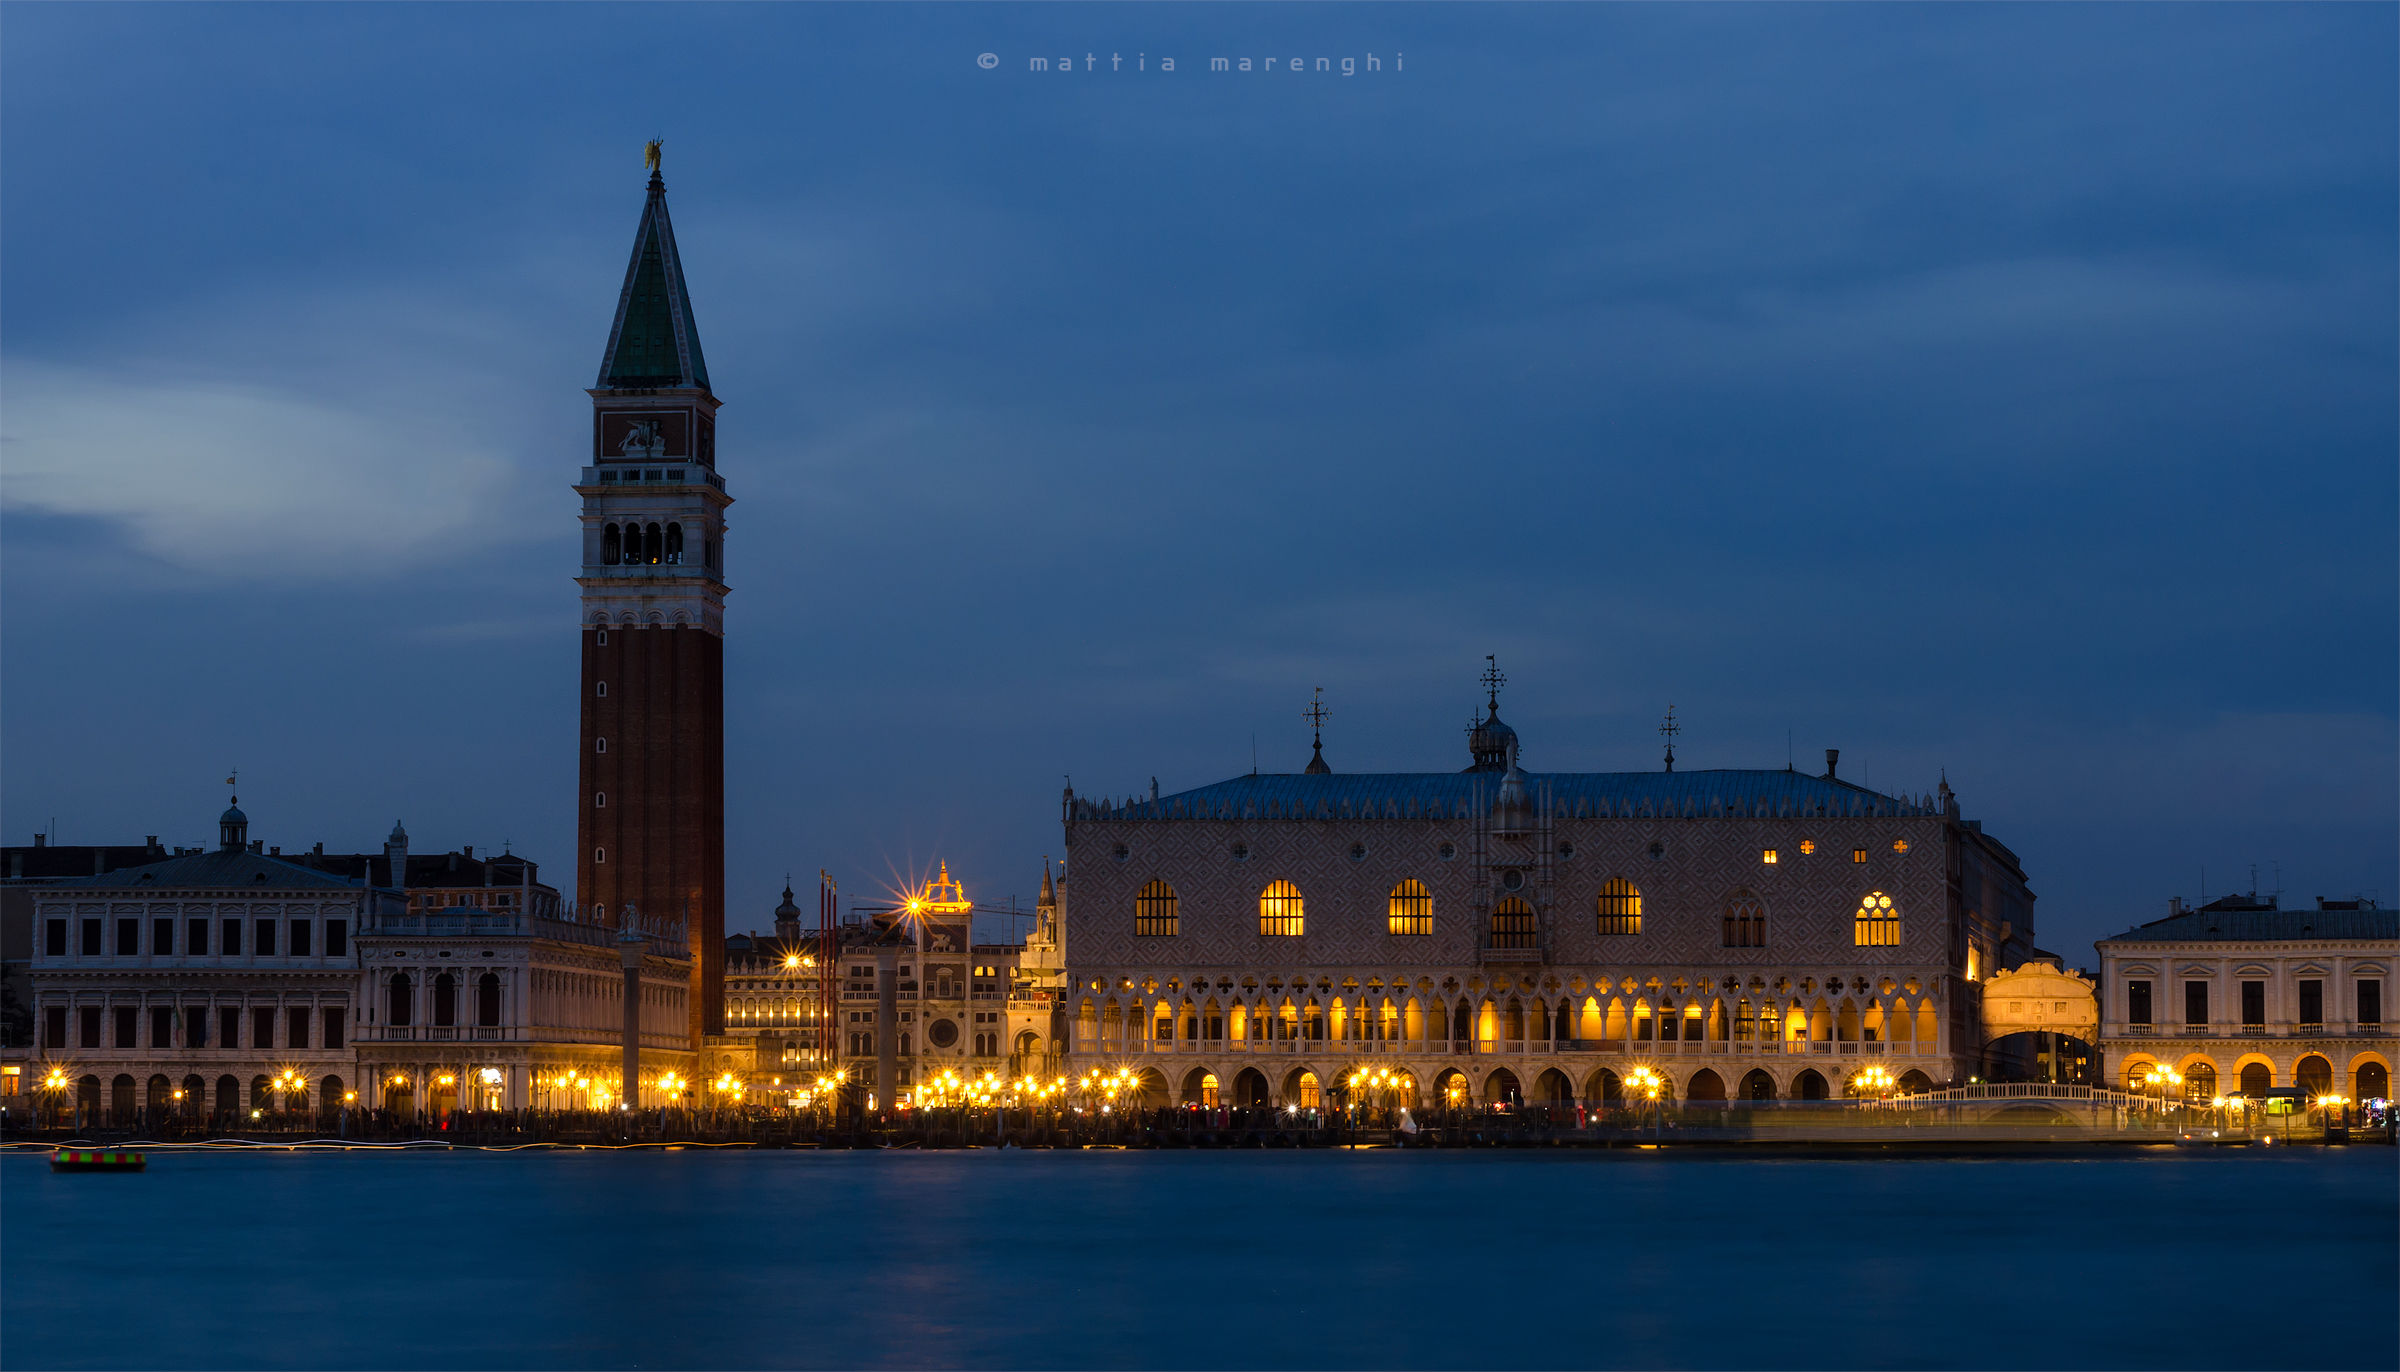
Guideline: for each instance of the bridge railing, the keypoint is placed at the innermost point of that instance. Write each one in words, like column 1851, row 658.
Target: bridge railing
column 2036, row 1090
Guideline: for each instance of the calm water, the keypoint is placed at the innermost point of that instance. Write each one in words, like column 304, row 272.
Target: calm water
column 2236, row 1260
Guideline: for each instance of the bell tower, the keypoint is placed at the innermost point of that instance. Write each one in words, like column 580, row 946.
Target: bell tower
column 651, row 832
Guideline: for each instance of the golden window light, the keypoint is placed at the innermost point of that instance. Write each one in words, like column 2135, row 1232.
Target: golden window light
column 1769, row 856
column 1620, row 907
column 1899, row 845
column 1807, row 846
column 1411, row 908
column 1858, row 855
column 1877, row 924
column 1281, row 912
column 1154, row 911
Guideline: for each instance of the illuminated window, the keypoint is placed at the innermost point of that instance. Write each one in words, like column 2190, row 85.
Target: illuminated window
column 1858, row 855
column 1154, row 911
column 1769, row 856
column 1279, row 910
column 1807, row 846
column 1620, row 907
column 1745, row 921
column 1411, row 908
column 1878, row 924
column 1513, row 925
column 1899, row 845
column 1312, row 1095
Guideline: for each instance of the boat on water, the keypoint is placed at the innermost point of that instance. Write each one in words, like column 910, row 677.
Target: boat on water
column 98, row 1160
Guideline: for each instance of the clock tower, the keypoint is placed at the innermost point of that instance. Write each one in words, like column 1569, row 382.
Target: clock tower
column 651, row 832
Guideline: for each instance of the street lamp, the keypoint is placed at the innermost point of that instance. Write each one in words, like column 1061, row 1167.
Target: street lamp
column 1646, row 1085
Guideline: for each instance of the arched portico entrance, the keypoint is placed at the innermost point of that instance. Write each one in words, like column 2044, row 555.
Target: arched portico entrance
column 1706, row 1087
column 1757, row 1085
column 1501, row 1088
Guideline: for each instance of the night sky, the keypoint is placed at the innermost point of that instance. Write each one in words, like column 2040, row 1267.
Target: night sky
column 2004, row 390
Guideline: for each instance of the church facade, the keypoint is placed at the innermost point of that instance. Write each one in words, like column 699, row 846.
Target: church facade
column 1497, row 934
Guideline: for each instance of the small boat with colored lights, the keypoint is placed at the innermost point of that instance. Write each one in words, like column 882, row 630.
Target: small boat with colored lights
column 98, row 1160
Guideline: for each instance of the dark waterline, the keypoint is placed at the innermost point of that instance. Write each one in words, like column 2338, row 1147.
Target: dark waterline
column 981, row 1259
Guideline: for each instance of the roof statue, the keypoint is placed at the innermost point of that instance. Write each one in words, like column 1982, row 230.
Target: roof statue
column 652, row 155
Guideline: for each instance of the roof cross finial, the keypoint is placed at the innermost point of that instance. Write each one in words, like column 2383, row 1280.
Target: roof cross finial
column 1316, row 714
column 1493, row 680
column 1668, row 730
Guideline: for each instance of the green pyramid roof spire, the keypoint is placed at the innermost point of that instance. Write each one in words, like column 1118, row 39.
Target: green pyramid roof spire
column 654, row 344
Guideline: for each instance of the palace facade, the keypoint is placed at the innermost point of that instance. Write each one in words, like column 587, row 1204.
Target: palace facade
column 1502, row 934
column 2239, row 997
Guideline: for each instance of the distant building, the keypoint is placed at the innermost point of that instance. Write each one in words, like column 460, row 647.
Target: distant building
column 773, row 1003
column 1497, row 934
column 959, row 1006
column 2240, row 996
column 202, row 984
column 21, row 869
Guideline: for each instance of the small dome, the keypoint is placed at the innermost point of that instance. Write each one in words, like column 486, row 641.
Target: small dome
column 787, row 910
column 1493, row 743
column 233, row 815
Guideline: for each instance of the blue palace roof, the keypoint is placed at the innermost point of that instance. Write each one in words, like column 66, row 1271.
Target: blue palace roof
column 1437, row 795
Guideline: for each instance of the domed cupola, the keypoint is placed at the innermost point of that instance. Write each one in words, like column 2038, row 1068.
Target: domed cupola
column 787, row 915
column 233, row 828
column 1493, row 744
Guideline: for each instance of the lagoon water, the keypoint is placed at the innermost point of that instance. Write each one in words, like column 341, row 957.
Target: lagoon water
column 2251, row 1259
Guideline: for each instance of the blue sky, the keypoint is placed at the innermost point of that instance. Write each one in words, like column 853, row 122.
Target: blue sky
column 2004, row 390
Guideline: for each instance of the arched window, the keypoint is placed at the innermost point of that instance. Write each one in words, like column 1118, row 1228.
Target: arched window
column 611, row 547
column 403, row 999
column 1877, row 924
column 599, row 855
column 1745, row 920
column 1620, row 907
column 487, row 1000
column 600, row 745
column 445, row 1000
column 600, row 689
column 2314, row 1075
column 1279, row 910
column 2257, row 1079
column 2200, row 1082
column 1411, row 908
column 1513, row 925
column 674, row 545
column 599, row 800
column 654, row 544
column 1154, row 911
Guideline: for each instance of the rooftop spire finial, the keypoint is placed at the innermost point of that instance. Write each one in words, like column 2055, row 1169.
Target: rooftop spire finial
column 653, row 153
column 1668, row 730
column 1316, row 715
column 1493, row 680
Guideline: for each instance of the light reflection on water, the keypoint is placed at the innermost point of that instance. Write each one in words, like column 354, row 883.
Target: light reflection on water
column 1202, row 1259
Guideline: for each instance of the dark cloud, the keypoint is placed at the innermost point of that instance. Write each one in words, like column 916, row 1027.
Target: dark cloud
column 2002, row 390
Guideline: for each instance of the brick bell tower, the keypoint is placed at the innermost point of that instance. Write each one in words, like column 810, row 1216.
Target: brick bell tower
column 652, row 800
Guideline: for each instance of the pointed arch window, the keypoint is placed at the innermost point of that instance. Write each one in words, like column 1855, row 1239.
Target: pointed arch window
column 1745, row 920
column 1280, row 911
column 1620, row 907
column 1411, row 908
column 1154, row 911
column 1513, row 925
column 1877, row 924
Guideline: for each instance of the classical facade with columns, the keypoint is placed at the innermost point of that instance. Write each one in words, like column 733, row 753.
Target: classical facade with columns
column 208, row 984
column 1497, row 933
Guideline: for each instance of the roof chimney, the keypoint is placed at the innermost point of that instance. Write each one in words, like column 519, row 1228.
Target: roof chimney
column 1833, row 757
column 41, row 840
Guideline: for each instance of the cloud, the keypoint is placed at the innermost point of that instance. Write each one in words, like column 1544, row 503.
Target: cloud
column 243, row 481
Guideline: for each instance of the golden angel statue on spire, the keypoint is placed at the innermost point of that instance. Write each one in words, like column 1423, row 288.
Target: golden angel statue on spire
column 650, row 153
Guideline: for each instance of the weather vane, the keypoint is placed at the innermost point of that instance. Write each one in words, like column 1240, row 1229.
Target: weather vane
column 1493, row 679
column 652, row 154
column 1668, row 731
column 1316, row 714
